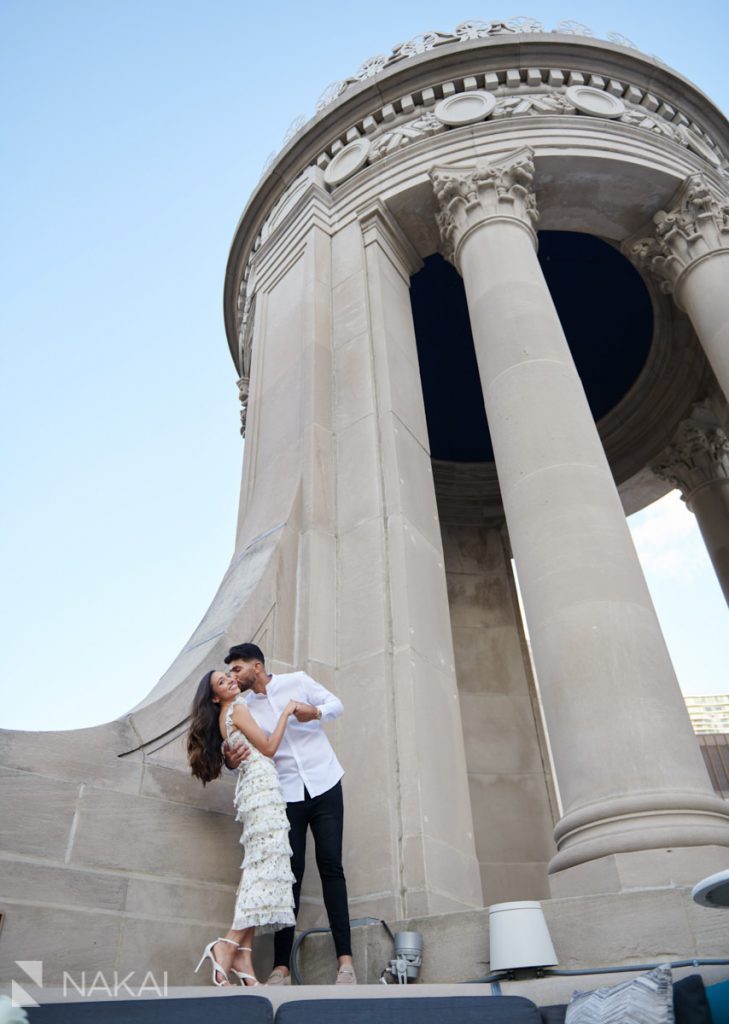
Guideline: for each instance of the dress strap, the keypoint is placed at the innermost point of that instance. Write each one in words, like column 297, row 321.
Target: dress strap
column 229, row 727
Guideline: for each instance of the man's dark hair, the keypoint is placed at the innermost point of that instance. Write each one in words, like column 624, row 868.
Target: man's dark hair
column 245, row 652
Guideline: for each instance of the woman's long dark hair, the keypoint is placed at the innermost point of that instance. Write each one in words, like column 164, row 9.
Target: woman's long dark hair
column 204, row 743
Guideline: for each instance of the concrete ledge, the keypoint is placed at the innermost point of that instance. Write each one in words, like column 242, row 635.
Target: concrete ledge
column 542, row 991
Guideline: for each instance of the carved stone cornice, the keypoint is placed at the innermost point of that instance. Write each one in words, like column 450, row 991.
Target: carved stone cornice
column 698, row 456
column 243, row 390
column 245, row 330
column 490, row 189
column 696, row 226
column 245, row 352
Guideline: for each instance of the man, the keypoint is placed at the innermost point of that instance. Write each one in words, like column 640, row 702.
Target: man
column 310, row 776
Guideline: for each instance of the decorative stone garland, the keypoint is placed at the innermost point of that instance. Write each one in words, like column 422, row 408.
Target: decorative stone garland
column 464, row 32
column 515, row 93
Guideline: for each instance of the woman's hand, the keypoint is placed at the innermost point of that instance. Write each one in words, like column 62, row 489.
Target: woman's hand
column 306, row 712
column 291, row 708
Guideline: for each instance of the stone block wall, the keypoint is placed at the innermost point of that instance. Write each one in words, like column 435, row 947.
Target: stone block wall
column 508, row 768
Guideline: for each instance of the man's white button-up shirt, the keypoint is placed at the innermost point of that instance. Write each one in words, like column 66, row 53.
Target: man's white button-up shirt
column 305, row 757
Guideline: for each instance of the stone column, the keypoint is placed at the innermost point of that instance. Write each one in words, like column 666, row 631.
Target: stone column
column 410, row 831
column 629, row 770
column 688, row 251
column 698, row 464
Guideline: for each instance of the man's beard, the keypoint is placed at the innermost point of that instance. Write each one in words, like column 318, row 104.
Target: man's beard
column 244, row 684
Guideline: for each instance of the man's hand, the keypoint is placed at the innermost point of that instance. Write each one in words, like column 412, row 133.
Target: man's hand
column 306, row 713
column 235, row 756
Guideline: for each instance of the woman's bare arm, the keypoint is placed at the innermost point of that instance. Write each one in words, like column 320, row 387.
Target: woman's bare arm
column 268, row 745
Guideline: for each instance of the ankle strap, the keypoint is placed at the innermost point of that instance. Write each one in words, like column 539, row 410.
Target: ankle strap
column 245, row 949
column 230, row 941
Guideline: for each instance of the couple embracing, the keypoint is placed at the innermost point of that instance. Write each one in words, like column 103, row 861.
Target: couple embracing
column 288, row 780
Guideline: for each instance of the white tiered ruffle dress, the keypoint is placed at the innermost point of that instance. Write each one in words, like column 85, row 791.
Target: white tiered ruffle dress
column 264, row 898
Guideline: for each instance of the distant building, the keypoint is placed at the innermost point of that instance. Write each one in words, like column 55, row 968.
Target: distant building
column 715, row 751
column 709, row 714
column 710, row 719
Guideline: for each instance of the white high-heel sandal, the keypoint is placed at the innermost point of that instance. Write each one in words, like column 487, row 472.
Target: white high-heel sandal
column 217, row 969
column 241, row 975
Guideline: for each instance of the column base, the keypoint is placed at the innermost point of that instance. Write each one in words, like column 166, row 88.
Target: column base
column 640, row 822
column 639, row 870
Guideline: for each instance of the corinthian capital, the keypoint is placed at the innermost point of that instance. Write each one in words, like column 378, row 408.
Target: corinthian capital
column 698, row 456
column 495, row 189
column 696, row 225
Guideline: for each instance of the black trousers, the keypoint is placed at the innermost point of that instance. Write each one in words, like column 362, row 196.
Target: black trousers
column 325, row 815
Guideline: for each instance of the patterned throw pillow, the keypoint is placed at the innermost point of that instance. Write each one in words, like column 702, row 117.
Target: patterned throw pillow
column 644, row 1000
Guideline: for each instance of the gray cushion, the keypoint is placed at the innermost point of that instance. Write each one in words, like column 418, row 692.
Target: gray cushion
column 221, row 1010
column 644, row 1000
column 411, row 1010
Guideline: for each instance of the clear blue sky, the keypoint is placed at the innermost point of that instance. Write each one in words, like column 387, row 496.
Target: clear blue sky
column 133, row 133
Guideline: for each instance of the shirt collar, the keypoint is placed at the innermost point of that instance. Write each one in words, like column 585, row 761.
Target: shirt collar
column 262, row 696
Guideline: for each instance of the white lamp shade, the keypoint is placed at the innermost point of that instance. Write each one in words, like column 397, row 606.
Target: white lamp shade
column 519, row 937
column 712, row 891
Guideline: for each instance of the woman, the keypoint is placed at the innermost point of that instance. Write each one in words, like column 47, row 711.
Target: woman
column 264, row 899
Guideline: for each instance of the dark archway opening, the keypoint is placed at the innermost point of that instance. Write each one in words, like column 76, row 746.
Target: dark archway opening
column 605, row 311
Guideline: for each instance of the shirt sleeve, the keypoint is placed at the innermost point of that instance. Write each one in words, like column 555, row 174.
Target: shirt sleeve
column 320, row 697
